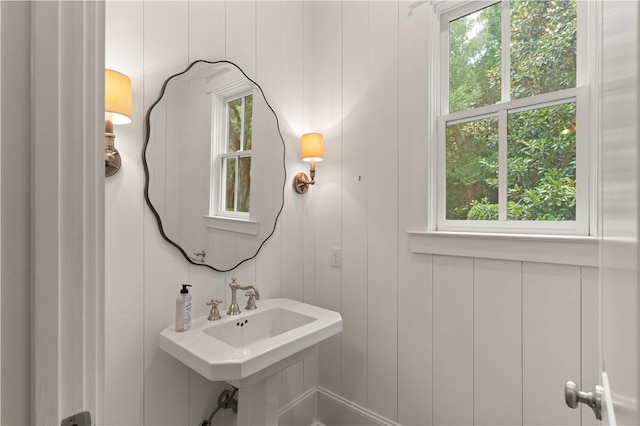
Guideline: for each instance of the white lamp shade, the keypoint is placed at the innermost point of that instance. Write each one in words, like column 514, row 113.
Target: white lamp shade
column 117, row 97
column 312, row 147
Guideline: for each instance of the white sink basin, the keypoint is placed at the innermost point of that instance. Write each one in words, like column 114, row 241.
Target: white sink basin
column 264, row 340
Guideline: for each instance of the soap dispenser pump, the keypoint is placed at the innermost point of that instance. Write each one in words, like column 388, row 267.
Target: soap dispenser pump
column 183, row 309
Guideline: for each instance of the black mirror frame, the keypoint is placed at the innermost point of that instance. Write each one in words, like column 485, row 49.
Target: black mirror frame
column 146, row 167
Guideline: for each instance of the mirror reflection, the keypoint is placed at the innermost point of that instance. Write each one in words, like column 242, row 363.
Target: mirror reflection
column 214, row 165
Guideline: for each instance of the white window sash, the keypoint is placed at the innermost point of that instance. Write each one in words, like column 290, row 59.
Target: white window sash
column 236, row 155
column 518, row 105
column 505, row 67
column 578, row 227
column 503, row 118
column 450, row 11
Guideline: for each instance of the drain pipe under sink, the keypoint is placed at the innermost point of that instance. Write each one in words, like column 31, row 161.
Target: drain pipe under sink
column 225, row 400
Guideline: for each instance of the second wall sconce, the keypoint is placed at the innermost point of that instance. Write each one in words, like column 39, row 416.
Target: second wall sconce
column 117, row 110
column 312, row 151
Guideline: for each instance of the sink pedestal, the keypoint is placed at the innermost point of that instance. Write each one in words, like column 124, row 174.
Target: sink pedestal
column 258, row 404
column 259, row 394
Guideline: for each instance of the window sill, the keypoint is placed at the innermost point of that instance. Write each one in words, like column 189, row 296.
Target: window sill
column 231, row 224
column 566, row 250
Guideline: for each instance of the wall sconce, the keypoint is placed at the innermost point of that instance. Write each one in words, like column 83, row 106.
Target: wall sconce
column 312, row 151
column 117, row 110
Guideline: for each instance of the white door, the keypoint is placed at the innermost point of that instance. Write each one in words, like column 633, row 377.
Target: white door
column 619, row 296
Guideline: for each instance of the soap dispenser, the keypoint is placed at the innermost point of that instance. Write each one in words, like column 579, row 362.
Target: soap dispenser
column 183, row 309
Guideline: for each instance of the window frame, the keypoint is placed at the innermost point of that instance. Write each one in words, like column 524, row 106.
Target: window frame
column 585, row 223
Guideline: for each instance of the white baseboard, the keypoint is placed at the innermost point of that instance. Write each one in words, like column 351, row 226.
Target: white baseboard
column 333, row 409
column 321, row 407
column 302, row 411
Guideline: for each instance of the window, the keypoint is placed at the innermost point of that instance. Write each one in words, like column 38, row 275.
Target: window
column 235, row 157
column 512, row 119
column 231, row 149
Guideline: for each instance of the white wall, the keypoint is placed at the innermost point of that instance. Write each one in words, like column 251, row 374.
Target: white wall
column 149, row 41
column 16, row 205
column 52, row 197
column 427, row 338
column 619, row 253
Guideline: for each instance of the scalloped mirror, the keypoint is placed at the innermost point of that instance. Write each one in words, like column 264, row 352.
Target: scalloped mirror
column 214, row 165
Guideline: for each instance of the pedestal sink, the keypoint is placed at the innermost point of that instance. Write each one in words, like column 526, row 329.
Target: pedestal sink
column 248, row 350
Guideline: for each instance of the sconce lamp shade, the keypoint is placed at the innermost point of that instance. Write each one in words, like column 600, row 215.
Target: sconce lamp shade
column 117, row 96
column 312, row 147
column 312, row 151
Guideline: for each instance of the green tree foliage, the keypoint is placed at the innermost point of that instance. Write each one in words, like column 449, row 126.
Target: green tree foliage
column 543, row 46
column 240, row 126
column 473, row 59
column 541, row 142
column 472, row 165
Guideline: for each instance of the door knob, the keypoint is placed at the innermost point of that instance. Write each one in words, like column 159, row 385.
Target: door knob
column 573, row 396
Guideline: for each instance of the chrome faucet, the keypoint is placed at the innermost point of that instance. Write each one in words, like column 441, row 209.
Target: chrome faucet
column 234, row 309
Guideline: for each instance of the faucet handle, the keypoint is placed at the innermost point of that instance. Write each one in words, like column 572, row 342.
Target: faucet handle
column 214, row 314
column 251, row 302
column 233, row 283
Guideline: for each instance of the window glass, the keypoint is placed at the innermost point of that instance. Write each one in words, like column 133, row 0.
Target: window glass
column 472, row 170
column 543, row 46
column 474, row 59
column 244, row 184
column 248, row 121
column 230, row 183
column 542, row 164
column 235, row 125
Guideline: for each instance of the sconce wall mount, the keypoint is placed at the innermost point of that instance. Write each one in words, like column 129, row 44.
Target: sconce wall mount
column 312, row 151
column 301, row 182
column 117, row 110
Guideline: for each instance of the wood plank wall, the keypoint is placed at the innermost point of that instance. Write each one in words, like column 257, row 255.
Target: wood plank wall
column 427, row 339
column 149, row 41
